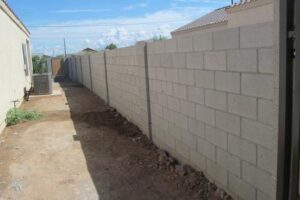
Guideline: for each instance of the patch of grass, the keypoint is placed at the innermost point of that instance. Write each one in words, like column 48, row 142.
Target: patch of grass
column 16, row 115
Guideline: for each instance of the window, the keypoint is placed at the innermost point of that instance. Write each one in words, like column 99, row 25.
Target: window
column 25, row 58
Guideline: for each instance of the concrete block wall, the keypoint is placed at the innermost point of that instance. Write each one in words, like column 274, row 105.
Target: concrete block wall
column 212, row 105
column 86, row 73
column 212, row 99
column 98, row 75
column 127, row 84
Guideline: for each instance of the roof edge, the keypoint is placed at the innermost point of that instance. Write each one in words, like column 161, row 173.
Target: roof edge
column 12, row 15
column 246, row 4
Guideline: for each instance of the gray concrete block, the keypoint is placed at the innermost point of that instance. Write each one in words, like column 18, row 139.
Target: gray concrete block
column 257, row 35
column 171, row 45
column 166, row 60
column 196, row 127
column 241, row 188
column 179, row 60
column 179, row 91
column 198, row 160
column 183, row 150
column 187, row 77
column 196, row 95
column 174, row 104
column 215, row 99
column 228, row 161
column 190, row 140
column 266, row 60
column 228, row 122
column 181, row 121
column 259, row 179
column 258, row 85
column 216, row 136
column 217, row 172
column 172, row 75
column 226, row 39
column 242, row 105
column 204, row 79
column 242, row 60
column 195, row 60
column 205, row 114
column 185, row 44
column 266, row 111
column 266, row 159
column 258, row 133
column 207, row 149
column 203, row 41
column 215, row 60
column 228, row 81
column 188, row 108
column 242, row 148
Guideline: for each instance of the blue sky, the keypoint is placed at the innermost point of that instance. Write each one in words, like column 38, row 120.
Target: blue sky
column 96, row 23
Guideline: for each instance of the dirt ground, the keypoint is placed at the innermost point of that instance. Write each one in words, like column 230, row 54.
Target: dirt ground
column 82, row 149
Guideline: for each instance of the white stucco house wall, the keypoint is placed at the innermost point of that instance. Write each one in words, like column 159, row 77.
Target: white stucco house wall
column 15, row 60
column 246, row 12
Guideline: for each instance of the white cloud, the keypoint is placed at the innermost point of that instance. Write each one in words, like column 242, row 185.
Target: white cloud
column 130, row 7
column 123, row 31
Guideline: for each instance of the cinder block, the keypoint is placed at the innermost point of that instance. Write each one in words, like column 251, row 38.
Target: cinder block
column 167, row 88
column 170, row 141
column 228, row 122
column 154, row 60
column 241, row 188
column 196, row 95
column 207, row 149
column 172, row 75
column 188, row 108
column 217, row 172
column 185, row 44
column 196, row 127
column 179, row 60
column 171, row 45
column 259, row 179
column 198, row 160
column 226, row 39
column 242, row 60
column 257, row 35
column 168, row 114
column 205, row 114
column 258, row 133
column 159, row 46
column 215, row 60
column 242, row 105
column 161, row 74
column 179, row 91
column 166, row 60
column 228, row 81
column 162, row 100
column 258, row 85
column 242, row 148
column 183, row 150
column 263, row 196
column 266, row 60
column 215, row 99
column 267, row 160
column 174, row 104
column 195, row 60
column 229, row 162
column 181, row 121
column 216, row 136
column 175, row 131
column 190, row 140
column 266, row 111
column 205, row 79
column 203, row 41
column 187, row 77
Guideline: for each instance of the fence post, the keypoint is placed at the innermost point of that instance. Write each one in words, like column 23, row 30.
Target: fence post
column 148, row 90
column 90, row 67
column 106, row 77
column 81, row 71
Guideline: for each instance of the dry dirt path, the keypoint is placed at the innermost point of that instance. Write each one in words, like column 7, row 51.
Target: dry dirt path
column 65, row 157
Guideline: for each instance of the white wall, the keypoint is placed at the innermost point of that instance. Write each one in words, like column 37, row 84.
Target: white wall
column 12, row 74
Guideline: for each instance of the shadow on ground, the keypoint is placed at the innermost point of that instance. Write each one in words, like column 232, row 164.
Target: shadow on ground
column 122, row 162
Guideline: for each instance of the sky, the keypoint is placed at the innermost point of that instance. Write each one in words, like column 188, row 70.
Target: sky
column 97, row 23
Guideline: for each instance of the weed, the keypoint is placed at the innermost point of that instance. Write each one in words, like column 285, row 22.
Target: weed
column 15, row 116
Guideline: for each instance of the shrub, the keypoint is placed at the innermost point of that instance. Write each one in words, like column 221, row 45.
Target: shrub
column 15, row 116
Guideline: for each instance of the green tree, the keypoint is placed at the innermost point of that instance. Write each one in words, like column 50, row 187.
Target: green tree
column 39, row 64
column 111, row 46
column 158, row 38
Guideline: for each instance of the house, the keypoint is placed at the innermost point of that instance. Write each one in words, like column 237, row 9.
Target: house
column 15, row 60
column 246, row 12
column 86, row 50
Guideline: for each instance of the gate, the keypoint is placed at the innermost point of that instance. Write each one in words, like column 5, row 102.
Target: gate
column 288, row 185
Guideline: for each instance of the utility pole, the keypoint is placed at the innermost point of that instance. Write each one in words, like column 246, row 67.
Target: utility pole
column 65, row 48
